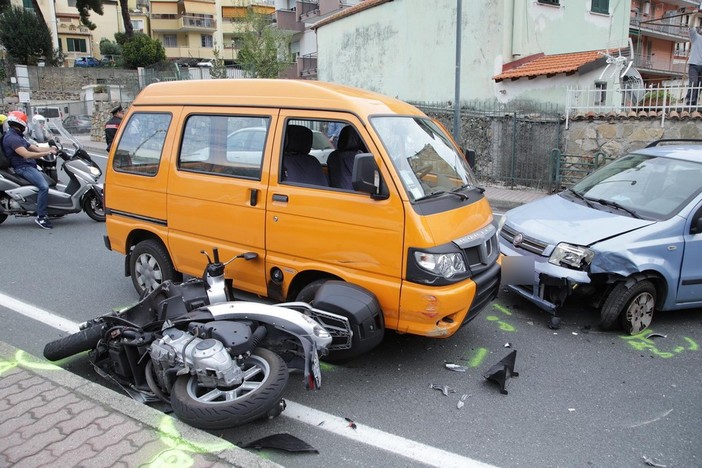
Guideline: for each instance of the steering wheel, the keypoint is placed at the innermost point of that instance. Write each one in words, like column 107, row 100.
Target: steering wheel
column 423, row 171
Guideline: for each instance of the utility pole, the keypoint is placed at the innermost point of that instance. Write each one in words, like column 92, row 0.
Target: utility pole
column 457, row 96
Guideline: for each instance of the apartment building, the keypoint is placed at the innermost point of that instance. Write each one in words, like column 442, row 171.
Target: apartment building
column 298, row 17
column 659, row 34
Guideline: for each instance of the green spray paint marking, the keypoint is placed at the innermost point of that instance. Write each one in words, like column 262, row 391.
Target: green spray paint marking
column 479, row 357
column 504, row 326
column 640, row 342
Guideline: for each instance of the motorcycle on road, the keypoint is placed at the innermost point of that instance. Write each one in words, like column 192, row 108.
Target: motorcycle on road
column 218, row 363
column 82, row 192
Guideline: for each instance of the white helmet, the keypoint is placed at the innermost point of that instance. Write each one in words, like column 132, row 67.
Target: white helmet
column 38, row 118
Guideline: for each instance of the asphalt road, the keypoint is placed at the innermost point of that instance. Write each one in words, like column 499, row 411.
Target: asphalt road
column 582, row 397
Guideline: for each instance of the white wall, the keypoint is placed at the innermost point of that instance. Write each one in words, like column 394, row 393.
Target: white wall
column 406, row 48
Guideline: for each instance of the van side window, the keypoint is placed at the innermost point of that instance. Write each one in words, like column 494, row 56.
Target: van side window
column 312, row 152
column 141, row 144
column 224, row 145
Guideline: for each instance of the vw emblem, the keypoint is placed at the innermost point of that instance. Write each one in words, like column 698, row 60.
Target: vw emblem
column 518, row 239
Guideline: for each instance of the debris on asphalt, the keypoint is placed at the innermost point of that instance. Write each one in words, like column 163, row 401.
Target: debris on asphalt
column 572, row 410
column 652, row 462
column 508, row 345
column 586, row 329
column 455, row 367
column 503, row 370
column 282, row 441
column 656, row 335
column 554, row 323
column 351, row 424
column 575, row 333
column 461, row 402
column 445, row 389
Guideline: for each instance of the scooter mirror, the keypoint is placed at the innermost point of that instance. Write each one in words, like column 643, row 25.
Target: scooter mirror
column 250, row 256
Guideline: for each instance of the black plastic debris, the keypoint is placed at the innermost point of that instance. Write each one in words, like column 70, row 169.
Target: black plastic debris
column 503, row 370
column 445, row 389
column 282, row 441
column 455, row 367
column 351, row 424
column 554, row 323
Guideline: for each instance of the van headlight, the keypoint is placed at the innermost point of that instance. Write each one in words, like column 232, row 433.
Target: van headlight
column 439, row 265
column 571, row 256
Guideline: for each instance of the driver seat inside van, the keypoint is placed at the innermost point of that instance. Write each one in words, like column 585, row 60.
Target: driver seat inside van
column 340, row 161
column 298, row 165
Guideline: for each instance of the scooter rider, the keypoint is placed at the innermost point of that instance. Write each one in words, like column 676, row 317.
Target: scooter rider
column 22, row 155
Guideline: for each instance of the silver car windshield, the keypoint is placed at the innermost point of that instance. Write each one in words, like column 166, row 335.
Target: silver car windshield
column 642, row 186
column 424, row 157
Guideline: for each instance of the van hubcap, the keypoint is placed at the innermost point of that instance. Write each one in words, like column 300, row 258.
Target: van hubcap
column 148, row 272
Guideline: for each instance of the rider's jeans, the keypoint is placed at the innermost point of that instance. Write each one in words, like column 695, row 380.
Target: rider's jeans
column 35, row 178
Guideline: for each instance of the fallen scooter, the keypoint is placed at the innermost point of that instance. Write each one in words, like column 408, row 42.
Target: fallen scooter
column 82, row 193
column 218, row 363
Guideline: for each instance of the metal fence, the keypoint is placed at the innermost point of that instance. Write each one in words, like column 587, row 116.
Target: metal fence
column 654, row 101
column 513, row 142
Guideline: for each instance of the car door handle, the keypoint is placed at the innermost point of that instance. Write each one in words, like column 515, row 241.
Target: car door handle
column 280, row 197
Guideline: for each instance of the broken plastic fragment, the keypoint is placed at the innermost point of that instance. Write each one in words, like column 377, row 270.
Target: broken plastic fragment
column 351, row 424
column 508, row 345
column 500, row 372
column 652, row 462
column 656, row 335
column 455, row 367
column 572, row 410
column 445, row 389
column 283, row 441
column 461, row 402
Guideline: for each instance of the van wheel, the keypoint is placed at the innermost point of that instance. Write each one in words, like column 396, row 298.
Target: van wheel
column 359, row 345
column 150, row 265
column 630, row 305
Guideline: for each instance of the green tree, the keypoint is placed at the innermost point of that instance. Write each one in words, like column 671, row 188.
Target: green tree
column 218, row 69
column 142, row 51
column 25, row 37
column 264, row 49
column 84, row 8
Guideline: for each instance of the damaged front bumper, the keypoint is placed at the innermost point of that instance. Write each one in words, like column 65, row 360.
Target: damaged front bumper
column 535, row 279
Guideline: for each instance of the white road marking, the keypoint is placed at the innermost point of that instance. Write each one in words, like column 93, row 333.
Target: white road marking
column 38, row 314
column 367, row 435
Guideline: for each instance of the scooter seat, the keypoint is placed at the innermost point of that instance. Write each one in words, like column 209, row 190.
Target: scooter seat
column 22, row 181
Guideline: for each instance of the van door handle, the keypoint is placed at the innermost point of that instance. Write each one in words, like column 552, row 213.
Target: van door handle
column 280, row 197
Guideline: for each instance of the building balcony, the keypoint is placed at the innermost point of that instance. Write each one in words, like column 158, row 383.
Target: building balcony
column 306, row 9
column 184, row 24
column 189, row 52
column 231, row 26
column 667, row 27
column 663, row 67
column 286, row 20
column 307, row 66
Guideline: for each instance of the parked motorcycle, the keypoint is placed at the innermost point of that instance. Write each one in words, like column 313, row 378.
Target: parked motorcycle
column 218, row 363
column 82, row 193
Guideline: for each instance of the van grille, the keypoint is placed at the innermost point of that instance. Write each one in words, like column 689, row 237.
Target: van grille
column 527, row 243
column 480, row 248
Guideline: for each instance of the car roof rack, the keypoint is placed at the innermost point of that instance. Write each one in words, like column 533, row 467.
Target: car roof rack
column 673, row 140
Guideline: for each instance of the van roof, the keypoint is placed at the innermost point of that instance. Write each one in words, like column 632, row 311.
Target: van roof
column 300, row 94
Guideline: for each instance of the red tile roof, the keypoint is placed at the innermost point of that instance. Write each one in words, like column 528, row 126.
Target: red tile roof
column 549, row 65
column 363, row 5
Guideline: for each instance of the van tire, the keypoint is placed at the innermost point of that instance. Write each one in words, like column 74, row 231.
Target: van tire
column 150, row 265
column 630, row 305
column 358, row 347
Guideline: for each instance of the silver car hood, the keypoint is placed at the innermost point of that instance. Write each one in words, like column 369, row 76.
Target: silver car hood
column 555, row 219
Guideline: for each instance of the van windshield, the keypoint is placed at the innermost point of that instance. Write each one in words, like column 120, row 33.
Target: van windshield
column 424, row 157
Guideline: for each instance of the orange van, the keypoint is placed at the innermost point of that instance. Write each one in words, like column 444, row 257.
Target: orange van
column 391, row 211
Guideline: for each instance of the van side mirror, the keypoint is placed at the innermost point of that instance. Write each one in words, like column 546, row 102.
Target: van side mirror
column 365, row 177
column 470, row 157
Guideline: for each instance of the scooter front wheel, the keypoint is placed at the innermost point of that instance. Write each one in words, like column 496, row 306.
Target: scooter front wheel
column 93, row 207
column 266, row 376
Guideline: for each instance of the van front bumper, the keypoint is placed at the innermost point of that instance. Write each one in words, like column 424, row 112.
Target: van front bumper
column 440, row 311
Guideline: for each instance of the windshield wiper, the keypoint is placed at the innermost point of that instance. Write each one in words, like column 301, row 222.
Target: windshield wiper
column 581, row 197
column 471, row 186
column 614, row 204
column 438, row 193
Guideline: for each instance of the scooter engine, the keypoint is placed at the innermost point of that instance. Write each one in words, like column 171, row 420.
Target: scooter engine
column 208, row 359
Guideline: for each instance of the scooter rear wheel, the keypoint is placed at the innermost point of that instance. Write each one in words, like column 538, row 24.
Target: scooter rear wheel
column 92, row 205
column 266, row 376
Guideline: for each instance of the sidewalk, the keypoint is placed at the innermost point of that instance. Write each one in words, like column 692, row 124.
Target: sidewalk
column 51, row 417
column 501, row 199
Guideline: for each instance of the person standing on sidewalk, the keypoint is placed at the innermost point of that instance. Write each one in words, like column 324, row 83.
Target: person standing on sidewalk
column 112, row 125
column 694, row 63
column 22, row 155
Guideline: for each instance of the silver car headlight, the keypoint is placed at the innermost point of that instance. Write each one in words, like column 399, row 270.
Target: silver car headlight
column 571, row 256
column 95, row 171
column 445, row 264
